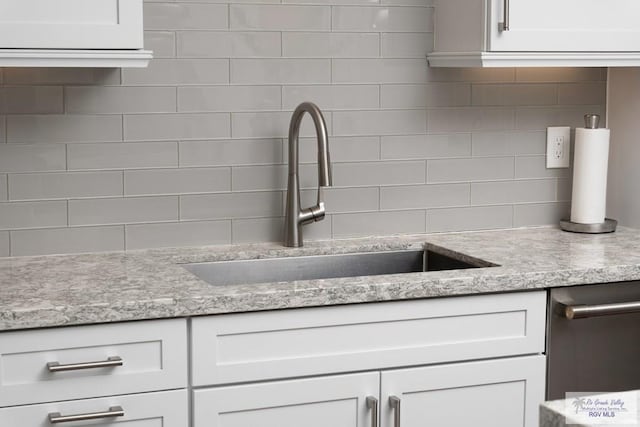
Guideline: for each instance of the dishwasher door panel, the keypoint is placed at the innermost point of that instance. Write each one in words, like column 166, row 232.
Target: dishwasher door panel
column 594, row 354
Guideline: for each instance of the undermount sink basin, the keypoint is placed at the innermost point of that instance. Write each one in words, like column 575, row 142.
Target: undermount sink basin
column 289, row 269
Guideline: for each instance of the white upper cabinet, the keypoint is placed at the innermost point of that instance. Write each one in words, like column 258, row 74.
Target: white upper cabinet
column 506, row 33
column 87, row 33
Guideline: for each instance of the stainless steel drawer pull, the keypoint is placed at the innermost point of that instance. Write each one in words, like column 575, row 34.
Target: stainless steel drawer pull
column 109, row 363
column 114, row 411
column 504, row 25
column 394, row 402
column 584, row 311
column 372, row 403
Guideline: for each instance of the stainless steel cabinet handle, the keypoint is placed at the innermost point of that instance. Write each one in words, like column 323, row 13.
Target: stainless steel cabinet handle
column 114, row 411
column 584, row 311
column 109, row 363
column 504, row 25
column 372, row 403
column 394, row 402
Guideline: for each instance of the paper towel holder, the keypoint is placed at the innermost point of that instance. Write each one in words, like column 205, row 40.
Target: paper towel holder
column 608, row 226
column 591, row 121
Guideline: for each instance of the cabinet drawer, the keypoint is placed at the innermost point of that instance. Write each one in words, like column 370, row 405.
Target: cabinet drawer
column 161, row 409
column 311, row 341
column 153, row 355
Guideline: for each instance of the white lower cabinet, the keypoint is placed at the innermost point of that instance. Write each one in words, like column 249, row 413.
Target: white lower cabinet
column 332, row 401
column 491, row 393
column 442, row 362
column 481, row 355
column 131, row 374
column 160, row 409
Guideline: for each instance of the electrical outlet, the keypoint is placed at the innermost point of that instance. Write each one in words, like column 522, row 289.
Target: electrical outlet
column 558, row 146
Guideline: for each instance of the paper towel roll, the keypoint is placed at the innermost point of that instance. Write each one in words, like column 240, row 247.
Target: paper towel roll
column 591, row 158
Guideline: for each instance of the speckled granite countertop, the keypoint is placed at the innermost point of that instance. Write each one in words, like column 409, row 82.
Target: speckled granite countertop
column 567, row 412
column 95, row 288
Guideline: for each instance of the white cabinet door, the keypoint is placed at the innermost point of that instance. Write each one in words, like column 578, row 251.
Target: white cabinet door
column 337, row 401
column 565, row 25
column 71, row 24
column 163, row 409
column 492, row 393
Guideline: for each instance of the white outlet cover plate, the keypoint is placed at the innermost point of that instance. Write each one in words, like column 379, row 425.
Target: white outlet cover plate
column 558, row 147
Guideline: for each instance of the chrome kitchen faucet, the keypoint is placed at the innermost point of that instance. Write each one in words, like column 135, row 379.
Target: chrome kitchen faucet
column 295, row 216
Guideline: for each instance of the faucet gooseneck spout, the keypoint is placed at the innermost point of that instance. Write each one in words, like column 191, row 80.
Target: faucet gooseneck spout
column 296, row 217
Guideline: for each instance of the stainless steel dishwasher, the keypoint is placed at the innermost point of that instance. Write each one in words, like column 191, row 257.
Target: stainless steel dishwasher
column 593, row 344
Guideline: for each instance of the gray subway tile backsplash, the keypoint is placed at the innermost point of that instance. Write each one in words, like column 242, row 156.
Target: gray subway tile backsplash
column 514, row 94
column 343, row 149
column 519, row 191
column 162, row 43
column 67, row 240
column 343, row 200
column 162, row 127
column 122, row 155
column 61, row 76
column 190, row 233
column 378, row 173
column 405, row 45
column 327, row 97
column 330, row 45
column 32, row 157
column 378, row 223
column 227, row 152
column 224, row 44
column 5, row 247
column 119, row 100
column 225, row 98
column 476, row 169
column 424, row 196
column 65, row 185
column 486, row 144
column 534, row 167
column 38, row 214
column 3, row 187
column 31, row 100
column 589, row 93
column 193, row 149
column 279, row 17
column 3, row 129
column 64, row 128
column 469, row 218
column 127, row 210
column 379, row 70
column 185, row 16
column 535, row 118
column 382, row 18
column 528, row 215
column 178, row 72
column 560, row 75
column 176, row 181
column 426, row 146
column 232, row 205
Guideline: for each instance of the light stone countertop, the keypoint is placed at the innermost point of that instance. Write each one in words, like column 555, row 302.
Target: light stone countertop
column 61, row 290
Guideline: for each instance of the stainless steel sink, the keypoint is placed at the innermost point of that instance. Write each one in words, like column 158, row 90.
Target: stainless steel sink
column 326, row 267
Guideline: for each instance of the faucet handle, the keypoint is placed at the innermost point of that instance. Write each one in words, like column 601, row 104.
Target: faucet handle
column 314, row 213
